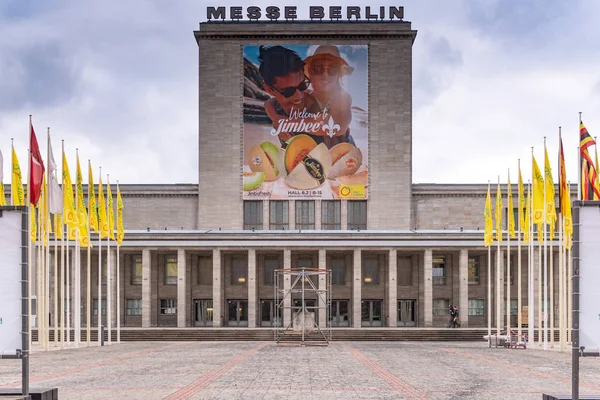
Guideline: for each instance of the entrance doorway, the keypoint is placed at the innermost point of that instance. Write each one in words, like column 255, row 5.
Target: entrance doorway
column 237, row 312
column 407, row 313
column 270, row 314
column 339, row 313
column 311, row 309
column 203, row 312
column 371, row 313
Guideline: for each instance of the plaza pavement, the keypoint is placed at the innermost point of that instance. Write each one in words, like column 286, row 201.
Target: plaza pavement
column 263, row 370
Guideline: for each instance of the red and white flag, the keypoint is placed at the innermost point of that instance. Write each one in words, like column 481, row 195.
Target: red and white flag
column 36, row 170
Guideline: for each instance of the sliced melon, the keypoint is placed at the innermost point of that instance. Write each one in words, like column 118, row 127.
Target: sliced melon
column 345, row 160
column 312, row 171
column 252, row 180
column 297, row 148
column 264, row 157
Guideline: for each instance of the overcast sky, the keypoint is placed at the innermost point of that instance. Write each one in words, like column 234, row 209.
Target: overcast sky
column 118, row 80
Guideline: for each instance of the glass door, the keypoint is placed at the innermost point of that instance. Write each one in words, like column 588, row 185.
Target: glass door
column 270, row 315
column 371, row 313
column 310, row 307
column 237, row 312
column 339, row 313
column 407, row 313
column 203, row 312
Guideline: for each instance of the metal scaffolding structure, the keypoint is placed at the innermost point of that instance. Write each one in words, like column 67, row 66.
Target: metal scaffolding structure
column 302, row 299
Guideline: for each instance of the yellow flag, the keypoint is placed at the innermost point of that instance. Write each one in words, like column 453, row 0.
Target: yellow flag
column 69, row 212
column 511, row 214
column 499, row 209
column 597, row 180
column 93, row 208
column 550, row 204
column 2, row 196
column 538, row 194
column 33, row 223
column 526, row 226
column 521, row 202
column 111, row 213
column 121, row 229
column 102, row 211
column 568, row 219
column 58, row 226
column 488, row 235
column 16, row 184
column 84, row 235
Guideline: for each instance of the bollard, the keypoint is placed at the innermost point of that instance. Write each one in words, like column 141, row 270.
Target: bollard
column 101, row 335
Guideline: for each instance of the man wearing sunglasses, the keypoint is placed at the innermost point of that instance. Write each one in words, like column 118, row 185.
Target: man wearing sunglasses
column 282, row 71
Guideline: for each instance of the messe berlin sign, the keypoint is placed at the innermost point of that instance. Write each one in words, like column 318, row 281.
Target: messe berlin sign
column 10, row 282
column 290, row 13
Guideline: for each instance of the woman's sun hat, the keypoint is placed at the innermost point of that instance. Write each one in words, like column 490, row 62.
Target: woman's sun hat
column 331, row 53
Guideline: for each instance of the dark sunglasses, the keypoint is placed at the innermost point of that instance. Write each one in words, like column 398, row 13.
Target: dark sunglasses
column 320, row 70
column 290, row 91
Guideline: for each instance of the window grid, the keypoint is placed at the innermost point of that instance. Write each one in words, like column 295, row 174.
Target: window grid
column 279, row 215
column 271, row 264
column 305, row 214
column 204, row 270
column 168, row 306
column 476, row 307
column 134, row 307
column 136, row 270
column 331, row 215
column 253, row 214
column 474, row 270
column 357, row 214
column 338, row 271
column 170, row 270
column 440, row 306
column 371, row 271
column 405, row 270
column 238, row 271
column 95, row 307
column 438, row 271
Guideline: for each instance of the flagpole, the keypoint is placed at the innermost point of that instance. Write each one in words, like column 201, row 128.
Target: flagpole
column 77, row 256
column 489, row 285
column 30, row 247
column 108, row 271
column 545, row 271
column 47, row 246
column 100, row 282
column 55, row 258
column 88, row 317
column 508, row 263
column 68, row 276
column 62, row 281
column 569, row 288
column 561, row 282
column 118, row 278
column 40, row 284
column 530, row 269
column 499, row 272
column 519, row 313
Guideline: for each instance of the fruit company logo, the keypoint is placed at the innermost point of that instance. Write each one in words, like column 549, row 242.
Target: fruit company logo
column 259, row 193
column 286, row 126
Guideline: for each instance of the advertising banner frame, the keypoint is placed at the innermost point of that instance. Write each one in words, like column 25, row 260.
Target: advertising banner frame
column 23, row 352
column 305, row 126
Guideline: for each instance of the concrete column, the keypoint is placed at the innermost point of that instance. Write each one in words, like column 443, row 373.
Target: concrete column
column 114, row 291
column 427, row 288
column 292, row 216
column 322, row 315
column 217, row 294
column 252, row 288
column 266, row 215
column 181, row 285
column 318, row 217
column 499, row 298
column 392, row 288
column 344, row 214
column 146, row 291
column 463, row 288
column 287, row 302
column 356, row 289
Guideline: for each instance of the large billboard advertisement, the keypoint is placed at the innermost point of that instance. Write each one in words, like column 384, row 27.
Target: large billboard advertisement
column 305, row 130
column 10, row 282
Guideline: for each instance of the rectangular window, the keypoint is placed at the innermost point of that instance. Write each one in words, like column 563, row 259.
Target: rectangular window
column 438, row 270
column 371, row 271
column 473, row 266
column 513, row 268
column 305, row 214
column 357, row 214
column 205, row 270
column 514, row 307
column 168, row 307
column 440, row 306
column 134, row 307
column 338, row 270
column 171, row 270
column 95, row 307
column 253, row 214
column 238, row 271
column 136, row 270
column 405, row 271
column 477, row 307
column 279, row 215
column 271, row 264
column 104, row 269
column 331, row 215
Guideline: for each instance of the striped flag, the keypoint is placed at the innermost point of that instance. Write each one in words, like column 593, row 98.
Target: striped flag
column 589, row 191
column 488, row 235
column 564, row 196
